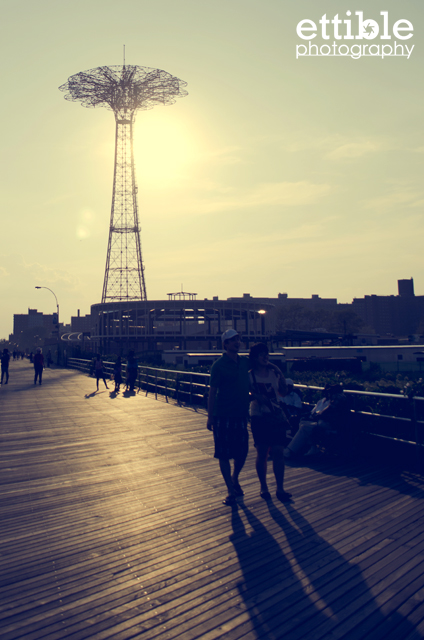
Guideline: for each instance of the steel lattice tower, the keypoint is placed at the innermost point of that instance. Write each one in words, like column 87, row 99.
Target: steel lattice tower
column 124, row 90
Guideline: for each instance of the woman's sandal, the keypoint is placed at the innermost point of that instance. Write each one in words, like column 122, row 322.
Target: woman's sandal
column 265, row 495
column 283, row 496
column 229, row 501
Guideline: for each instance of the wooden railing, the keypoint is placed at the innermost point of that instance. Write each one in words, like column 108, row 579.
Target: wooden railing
column 386, row 416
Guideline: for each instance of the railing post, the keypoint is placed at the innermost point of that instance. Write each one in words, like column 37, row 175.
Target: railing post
column 177, row 389
column 176, row 386
column 206, row 395
column 416, row 432
column 147, row 381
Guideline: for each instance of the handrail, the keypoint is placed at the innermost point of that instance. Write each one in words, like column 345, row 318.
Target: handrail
column 85, row 364
column 192, row 387
column 360, row 392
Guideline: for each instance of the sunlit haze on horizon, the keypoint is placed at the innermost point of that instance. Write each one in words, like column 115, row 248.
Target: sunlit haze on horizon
column 275, row 174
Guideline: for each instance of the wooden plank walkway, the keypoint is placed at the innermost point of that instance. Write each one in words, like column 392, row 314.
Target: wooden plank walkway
column 112, row 527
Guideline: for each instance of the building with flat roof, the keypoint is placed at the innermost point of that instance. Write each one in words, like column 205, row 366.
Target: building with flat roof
column 31, row 329
column 186, row 323
column 154, row 325
column 399, row 315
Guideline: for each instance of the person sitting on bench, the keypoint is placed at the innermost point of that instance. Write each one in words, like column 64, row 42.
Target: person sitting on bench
column 323, row 418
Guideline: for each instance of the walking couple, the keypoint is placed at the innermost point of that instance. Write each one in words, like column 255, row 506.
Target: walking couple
column 236, row 382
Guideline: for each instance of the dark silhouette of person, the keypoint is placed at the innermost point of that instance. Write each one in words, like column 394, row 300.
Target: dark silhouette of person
column 228, row 408
column 267, row 419
column 38, row 366
column 5, row 365
column 117, row 373
column 99, row 371
column 132, row 370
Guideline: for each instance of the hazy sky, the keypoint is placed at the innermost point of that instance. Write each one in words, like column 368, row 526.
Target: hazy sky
column 273, row 175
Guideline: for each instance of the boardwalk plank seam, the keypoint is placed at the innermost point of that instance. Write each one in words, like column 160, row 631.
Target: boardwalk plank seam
column 112, row 528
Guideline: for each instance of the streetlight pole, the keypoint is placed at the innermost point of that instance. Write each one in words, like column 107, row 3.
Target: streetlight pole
column 57, row 323
column 262, row 313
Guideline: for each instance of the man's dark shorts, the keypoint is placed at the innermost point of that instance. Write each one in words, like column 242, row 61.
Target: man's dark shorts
column 231, row 438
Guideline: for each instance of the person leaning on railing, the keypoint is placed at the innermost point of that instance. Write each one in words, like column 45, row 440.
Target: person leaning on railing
column 132, row 369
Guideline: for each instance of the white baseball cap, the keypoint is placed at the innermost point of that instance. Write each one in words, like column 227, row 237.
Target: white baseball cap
column 227, row 335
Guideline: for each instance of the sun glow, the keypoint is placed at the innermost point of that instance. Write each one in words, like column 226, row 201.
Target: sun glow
column 164, row 149
column 86, row 222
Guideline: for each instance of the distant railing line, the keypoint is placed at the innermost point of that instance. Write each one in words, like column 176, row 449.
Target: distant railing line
column 191, row 387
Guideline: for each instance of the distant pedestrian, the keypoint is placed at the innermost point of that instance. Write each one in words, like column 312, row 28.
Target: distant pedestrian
column 49, row 358
column 132, row 370
column 38, row 366
column 5, row 359
column 117, row 373
column 228, row 409
column 99, row 371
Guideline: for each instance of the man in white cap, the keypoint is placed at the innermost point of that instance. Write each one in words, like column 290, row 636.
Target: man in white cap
column 228, row 410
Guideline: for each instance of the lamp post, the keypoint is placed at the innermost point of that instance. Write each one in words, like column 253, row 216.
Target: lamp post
column 259, row 314
column 57, row 319
column 262, row 313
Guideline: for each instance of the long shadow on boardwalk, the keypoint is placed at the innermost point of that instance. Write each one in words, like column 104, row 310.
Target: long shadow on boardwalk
column 310, row 589
column 370, row 473
column 348, row 608
column 270, row 582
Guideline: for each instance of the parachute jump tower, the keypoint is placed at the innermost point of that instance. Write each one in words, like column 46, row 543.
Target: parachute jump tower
column 124, row 90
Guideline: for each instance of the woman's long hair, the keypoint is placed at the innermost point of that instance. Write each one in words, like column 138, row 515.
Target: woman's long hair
column 255, row 352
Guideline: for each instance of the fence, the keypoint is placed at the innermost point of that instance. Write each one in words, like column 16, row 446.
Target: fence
column 391, row 422
column 182, row 386
column 392, row 418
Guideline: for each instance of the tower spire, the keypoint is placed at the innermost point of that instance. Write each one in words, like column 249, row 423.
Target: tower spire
column 124, row 272
column 124, row 90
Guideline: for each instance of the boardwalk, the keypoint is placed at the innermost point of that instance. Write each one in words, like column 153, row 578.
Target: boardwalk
column 112, row 527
